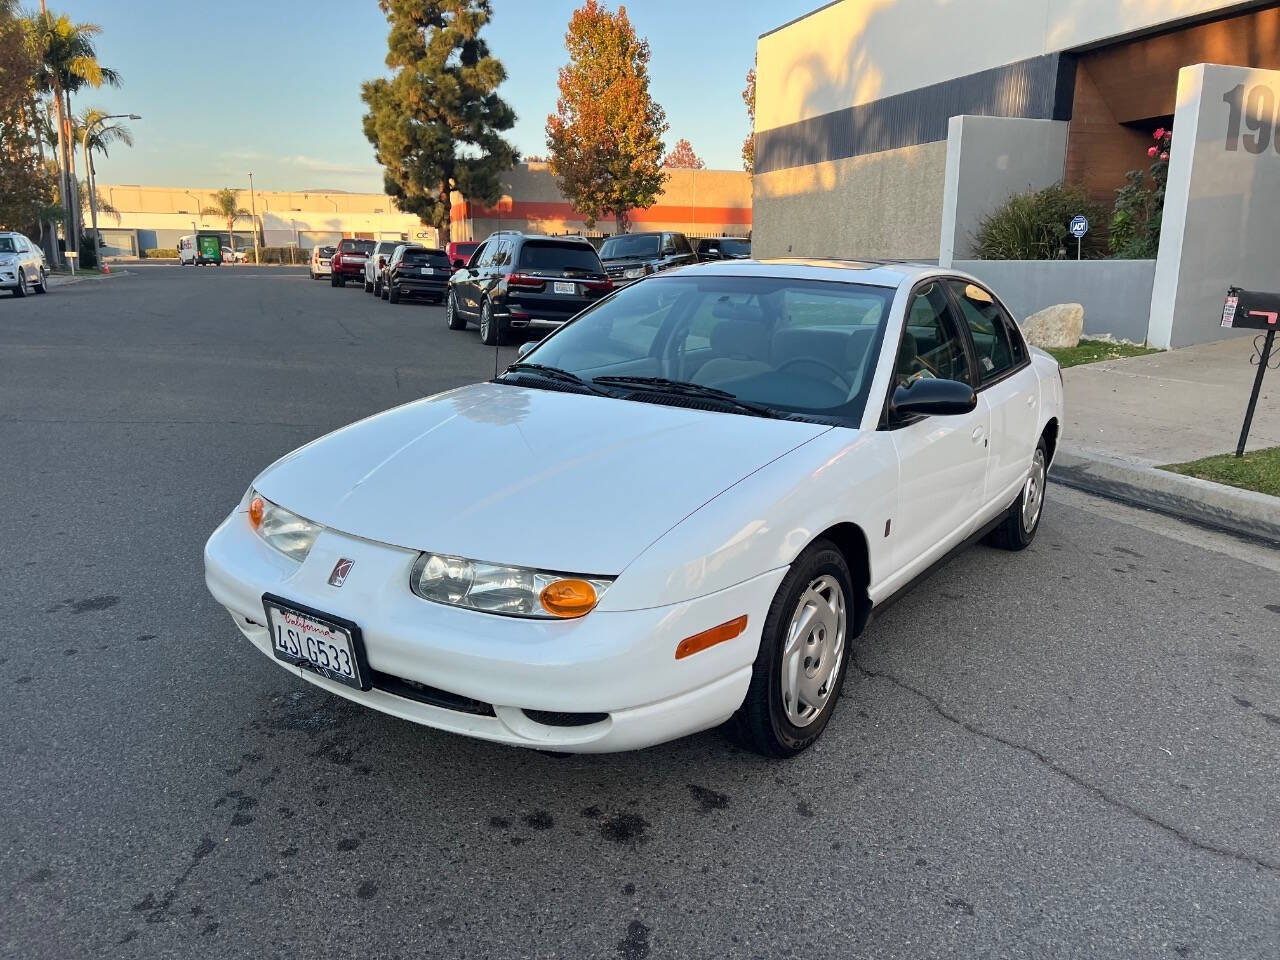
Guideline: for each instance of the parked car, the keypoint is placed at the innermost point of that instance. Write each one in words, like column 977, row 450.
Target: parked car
column 348, row 261
column 320, row 258
column 376, row 264
column 750, row 459
column 460, row 251
column 629, row 256
column 22, row 265
column 724, row 248
column 234, row 256
column 517, row 283
column 416, row 271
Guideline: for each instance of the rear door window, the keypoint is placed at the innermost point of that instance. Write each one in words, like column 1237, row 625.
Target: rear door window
column 544, row 257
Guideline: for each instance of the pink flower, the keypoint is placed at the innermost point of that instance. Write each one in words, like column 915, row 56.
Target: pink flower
column 1159, row 135
column 1164, row 156
column 1152, row 151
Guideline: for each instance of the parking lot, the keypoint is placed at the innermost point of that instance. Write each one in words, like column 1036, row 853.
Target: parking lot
column 1069, row 752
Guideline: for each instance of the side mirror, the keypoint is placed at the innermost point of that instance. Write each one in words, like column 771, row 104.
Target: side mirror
column 933, row 398
column 525, row 347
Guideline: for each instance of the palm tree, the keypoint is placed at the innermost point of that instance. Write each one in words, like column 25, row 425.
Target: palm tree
column 226, row 204
column 68, row 63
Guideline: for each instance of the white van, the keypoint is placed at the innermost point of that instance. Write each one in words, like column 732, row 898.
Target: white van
column 189, row 252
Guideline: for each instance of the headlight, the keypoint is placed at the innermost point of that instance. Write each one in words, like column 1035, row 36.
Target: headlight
column 8, row 261
column 633, row 273
column 512, row 591
column 287, row 532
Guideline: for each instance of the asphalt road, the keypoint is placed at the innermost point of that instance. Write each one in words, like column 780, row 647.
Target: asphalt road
column 1071, row 752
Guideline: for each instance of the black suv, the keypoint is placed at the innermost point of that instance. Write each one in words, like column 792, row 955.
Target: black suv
column 516, row 283
column 724, row 248
column 416, row 271
column 630, row 256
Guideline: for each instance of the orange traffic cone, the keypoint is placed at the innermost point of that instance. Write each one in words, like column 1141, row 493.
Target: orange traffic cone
column 106, row 268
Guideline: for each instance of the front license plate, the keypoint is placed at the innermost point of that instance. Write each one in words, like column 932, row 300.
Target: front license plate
column 319, row 642
column 561, row 287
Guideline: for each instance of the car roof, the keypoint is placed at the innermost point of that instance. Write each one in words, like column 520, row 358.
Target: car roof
column 876, row 273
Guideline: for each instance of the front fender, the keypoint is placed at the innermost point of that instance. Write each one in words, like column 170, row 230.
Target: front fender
column 765, row 520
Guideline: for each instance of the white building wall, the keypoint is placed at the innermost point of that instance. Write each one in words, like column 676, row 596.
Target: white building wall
column 856, row 51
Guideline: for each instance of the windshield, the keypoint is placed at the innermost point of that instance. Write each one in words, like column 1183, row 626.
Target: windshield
column 326, row 251
column 387, row 246
column 7, row 245
column 544, row 255
column 356, row 246
column 735, row 248
column 801, row 346
column 617, row 248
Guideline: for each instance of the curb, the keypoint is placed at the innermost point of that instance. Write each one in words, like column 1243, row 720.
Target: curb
column 1141, row 482
column 65, row 280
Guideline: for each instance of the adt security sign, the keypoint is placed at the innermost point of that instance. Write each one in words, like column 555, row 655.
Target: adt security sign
column 1079, row 227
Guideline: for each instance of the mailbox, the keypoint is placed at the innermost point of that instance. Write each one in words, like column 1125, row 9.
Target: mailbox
column 1251, row 310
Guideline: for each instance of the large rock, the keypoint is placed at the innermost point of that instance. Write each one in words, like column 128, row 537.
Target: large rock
column 1056, row 326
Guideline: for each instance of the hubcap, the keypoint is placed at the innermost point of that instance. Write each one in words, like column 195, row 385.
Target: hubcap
column 484, row 321
column 1033, row 493
column 813, row 650
column 448, row 310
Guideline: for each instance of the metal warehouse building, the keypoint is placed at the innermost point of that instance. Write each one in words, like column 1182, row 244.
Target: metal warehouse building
column 890, row 128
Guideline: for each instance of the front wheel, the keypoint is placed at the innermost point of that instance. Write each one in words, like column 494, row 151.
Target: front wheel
column 804, row 651
column 1020, row 524
column 452, row 317
column 21, row 289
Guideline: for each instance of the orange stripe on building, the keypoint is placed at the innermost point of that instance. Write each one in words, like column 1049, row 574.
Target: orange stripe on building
column 508, row 209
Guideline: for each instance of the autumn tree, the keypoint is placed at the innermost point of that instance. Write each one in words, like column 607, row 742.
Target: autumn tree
column 749, row 144
column 605, row 138
column 682, row 157
column 436, row 123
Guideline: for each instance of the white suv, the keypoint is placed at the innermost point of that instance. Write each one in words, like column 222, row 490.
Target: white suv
column 320, row 262
column 376, row 263
column 22, row 265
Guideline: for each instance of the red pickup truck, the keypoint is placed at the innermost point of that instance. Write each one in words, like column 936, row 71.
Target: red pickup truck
column 348, row 261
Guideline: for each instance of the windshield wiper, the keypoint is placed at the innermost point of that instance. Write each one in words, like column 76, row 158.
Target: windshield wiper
column 689, row 389
column 551, row 373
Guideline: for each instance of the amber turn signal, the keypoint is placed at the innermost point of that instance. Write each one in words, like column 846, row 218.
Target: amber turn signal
column 709, row 638
column 568, row 598
column 257, row 506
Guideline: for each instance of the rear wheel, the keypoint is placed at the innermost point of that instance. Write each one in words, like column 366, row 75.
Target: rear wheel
column 1020, row 524
column 393, row 293
column 804, row 650
column 452, row 317
column 333, row 279
column 490, row 330
column 42, row 285
column 368, row 287
column 340, row 280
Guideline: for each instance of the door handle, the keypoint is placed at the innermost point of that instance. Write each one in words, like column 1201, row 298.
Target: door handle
column 1031, row 400
column 977, row 434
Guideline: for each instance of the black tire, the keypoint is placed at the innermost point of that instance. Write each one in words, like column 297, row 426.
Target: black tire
column 311, row 274
column 1019, row 526
column 21, row 289
column 393, row 293
column 761, row 723
column 341, row 281
column 385, row 295
column 43, row 285
column 368, row 287
column 333, row 280
column 491, row 333
column 452, row 317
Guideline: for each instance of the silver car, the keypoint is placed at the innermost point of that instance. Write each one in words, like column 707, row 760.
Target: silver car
column 22, row 265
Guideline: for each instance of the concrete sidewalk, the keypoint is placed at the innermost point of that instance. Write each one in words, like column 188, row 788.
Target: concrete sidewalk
column 1127, row 417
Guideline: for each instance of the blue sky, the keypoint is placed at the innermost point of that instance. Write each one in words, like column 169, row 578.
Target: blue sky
column 273, row 86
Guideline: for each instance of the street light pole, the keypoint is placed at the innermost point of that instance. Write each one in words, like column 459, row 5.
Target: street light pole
column 89, row 175
column 253, row 212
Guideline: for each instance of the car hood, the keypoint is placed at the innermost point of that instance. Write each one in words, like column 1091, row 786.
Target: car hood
column 510, row 474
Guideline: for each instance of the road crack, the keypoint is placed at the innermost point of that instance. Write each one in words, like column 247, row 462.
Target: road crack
column 1046, row 761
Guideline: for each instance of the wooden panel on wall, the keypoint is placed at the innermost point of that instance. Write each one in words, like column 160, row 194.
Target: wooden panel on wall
column 1139, row 79
column 1100, row 150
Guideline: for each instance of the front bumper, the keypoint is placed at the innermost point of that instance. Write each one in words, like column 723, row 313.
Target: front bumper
column 621, row 664
column 8, row 278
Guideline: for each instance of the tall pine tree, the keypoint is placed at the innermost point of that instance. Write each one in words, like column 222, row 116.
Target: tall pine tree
column 436, row 123
column 605, row 138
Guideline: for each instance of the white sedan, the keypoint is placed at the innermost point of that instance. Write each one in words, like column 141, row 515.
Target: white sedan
column 679, row 510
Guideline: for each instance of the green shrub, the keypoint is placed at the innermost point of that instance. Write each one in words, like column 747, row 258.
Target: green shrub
column 160, row 253
column 1037, row 226
column 1139, row 209
column 283, row 255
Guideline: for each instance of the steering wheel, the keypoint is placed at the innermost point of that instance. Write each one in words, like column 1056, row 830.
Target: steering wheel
column 844, row 380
